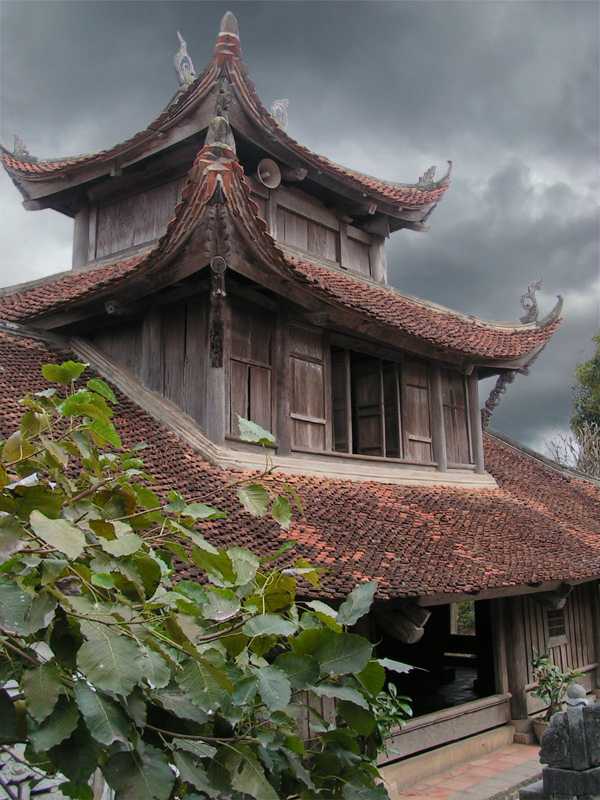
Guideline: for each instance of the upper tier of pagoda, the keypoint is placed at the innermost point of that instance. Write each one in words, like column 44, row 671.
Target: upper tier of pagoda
column 43, row 183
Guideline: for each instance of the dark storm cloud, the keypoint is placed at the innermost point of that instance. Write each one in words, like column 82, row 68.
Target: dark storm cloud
column 507, row 90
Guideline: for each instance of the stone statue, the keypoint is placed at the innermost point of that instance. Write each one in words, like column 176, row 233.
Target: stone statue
column 279, row 112
column 183, row 64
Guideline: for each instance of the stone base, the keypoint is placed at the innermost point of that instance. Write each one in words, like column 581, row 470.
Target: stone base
column 571, row 783
column 536, row 792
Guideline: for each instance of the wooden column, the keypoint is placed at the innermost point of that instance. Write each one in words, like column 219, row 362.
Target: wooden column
column 81, row 237
column 378, row 260
column 499, row 640
column 283, row 387
column 516, row 656
column 438, row 431
column 151, row 371
column 219, row 328
column 475, row 423
column 596, row 630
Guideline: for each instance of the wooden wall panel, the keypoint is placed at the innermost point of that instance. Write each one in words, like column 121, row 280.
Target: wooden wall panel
column 122, row 343
column 135, row 219
column 196, row 359
column 340, row 391
column 358, row 256
column 367, row 402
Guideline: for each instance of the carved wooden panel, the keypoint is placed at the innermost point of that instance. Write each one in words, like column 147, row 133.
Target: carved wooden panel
column 416, row 410
column 307, row 400
column 136, row 219
column 456, row 417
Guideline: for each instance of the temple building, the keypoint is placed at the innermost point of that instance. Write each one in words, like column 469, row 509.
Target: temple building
column 223, row 270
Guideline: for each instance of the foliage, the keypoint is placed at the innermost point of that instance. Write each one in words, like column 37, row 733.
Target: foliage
column 465, row 618
column 552, row 683
column 173, row 689
column 587, row 391
column 579, row 450
column 391, row 711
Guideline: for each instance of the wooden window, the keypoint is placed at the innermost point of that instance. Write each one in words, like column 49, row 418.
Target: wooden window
column 557, row 626
column 307, row 400
column 380, row 408
column 250, row 368
column 454, row 396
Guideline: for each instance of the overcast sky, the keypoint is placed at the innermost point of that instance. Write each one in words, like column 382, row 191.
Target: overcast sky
column 508, row 90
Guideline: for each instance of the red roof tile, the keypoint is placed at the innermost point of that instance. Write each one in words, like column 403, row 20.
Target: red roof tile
column 539, row 525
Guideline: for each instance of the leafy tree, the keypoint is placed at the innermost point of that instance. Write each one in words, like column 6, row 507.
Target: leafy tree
column 170, row 688
column 587, row 391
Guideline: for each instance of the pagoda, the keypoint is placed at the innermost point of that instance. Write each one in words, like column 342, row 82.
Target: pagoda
column 223, row 271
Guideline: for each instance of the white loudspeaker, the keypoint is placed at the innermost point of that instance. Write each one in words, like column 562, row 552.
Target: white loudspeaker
column 268, row 173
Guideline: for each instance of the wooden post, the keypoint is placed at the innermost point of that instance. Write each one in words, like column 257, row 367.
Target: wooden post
column 378, row 260
column 283, row 384
column 596, row 629
column 81, row 237
column 475, row 422
column 438, row 430
column 218, row 349
column 152, row 357
column 516, row 657
column 499, row 644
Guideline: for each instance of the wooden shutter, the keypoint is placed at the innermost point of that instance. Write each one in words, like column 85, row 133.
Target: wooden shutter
column 250, row 368
column 455, row 417
column 341, row 411
column 307, row 401
column 391, row 403
column 416, row 415
column 367, row 406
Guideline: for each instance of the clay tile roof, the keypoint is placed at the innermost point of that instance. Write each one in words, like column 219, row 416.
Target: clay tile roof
column 540, row 525
column 227, row 61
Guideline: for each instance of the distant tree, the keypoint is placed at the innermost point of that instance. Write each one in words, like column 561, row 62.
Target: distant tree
column 580, row 449
column 168, row 688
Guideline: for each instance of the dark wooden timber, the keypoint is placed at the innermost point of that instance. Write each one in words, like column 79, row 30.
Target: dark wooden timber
column 437, row 420
column 475, row 423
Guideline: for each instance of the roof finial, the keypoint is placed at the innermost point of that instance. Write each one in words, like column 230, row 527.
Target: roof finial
column 219, row 134
column 228, row 40
column 20, row 148
column 279, row 112
column 183, row 63
column 529, row 303
column 428, row 181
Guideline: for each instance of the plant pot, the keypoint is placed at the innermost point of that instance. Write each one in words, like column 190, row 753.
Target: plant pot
column 539, row 728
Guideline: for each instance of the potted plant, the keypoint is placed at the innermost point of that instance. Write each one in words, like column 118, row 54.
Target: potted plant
column 552, row 684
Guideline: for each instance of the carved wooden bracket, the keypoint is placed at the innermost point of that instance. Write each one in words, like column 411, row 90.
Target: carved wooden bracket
column 556, row 600
column 406, row 622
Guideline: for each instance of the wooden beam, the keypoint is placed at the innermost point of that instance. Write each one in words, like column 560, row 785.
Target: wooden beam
column 378, row 259
column 81, row 237
column 438, row 430
column 475, row 422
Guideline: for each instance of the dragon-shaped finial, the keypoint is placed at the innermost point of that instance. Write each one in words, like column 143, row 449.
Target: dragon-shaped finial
column 184, row 66
column 529, row 303
column 279, row 112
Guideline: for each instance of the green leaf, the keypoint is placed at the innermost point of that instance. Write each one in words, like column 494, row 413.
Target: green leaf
column 105, row 720
column 77, row 756
column 100, row 387
column 345, row 693
column 106, row 432
column 134, row 776
column 86, row 404
column 16, row 448
column 322, row 608
column 76, row 791
column 274, row 687
column 155, row 669
column 12, row 536
column 178, row 704
column 301, row 671
column 361, row 720
column 248, row 776
column 269, row 625
column 192, row 772
column 372, row 678
column 199, row 749
column 395, row 666
column 245, row 691
column 251, row 432
column 281, row 511
column 103, row 579
column 192, row 590
column 254, row 499
column 124, row 545
column 111, row 663
column 200, row 511
column 217, row 565
column 63, row 373
column 41, row 687
column 245, row 564
column 15, row 606
column 357, row 604
column 58, row 453
column 8, row 719
column 55, row 728
column 206, row 686
column 58, row 533
column 221, row 604
column 341, row 654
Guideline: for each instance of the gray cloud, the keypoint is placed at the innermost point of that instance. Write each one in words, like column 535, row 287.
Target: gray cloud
column 508, row 90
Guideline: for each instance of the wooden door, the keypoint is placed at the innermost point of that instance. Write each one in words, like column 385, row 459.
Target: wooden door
column 307, row 391
column 454, row 398
column 250, row 378
column 367, row 406
column 416, row 411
